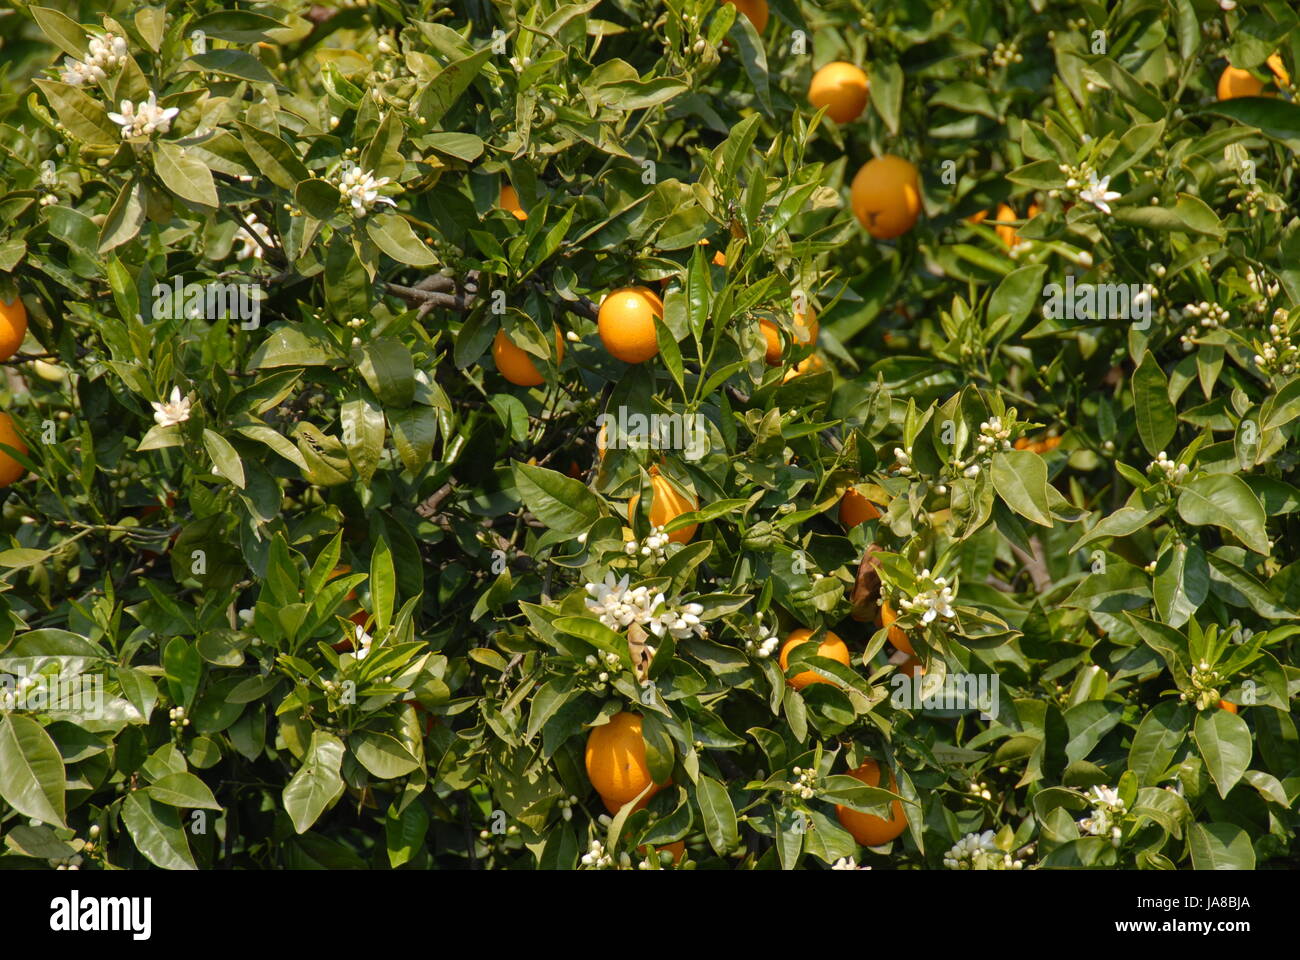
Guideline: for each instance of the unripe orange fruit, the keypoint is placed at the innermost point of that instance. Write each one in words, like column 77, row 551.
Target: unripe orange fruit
column 805, row 332
column 897, row 635
column 831, row 647
column 856, row 509
column 627, row 323
column 10, row 469
column 616, row 763
column 13, row 327
column 886, row 196
column 666, row 505
column 756, row 10
column 842, row 89
column 677, row 848
column 509, row 202
column 516, row 364
column 869, row 830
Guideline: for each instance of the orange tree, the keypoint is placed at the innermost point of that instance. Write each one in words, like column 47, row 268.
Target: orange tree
column 614, row 434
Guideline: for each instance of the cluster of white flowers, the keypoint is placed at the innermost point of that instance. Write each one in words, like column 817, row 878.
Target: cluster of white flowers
column 619, row 606
column 806, row 785
column 978, row 851
column 1203, row 316
column 143, row 119
column 596, row 858
column 361, row 190
column 68, row 863
column 248, row 245
column 904, row 461
column 1107, row 807
column 174, row 410
column 178, row 718
column 10, row 699
column 1205, row 682
column 602, row 667
column 566, row 805
column 1005, row 54
column 1279, row 355
column 655, row 546
column 106, row 54
column 764, row 647
column 1262, row 288
column 993, row 436
column 1174, row 472
column 934, row 599
column 847, row 863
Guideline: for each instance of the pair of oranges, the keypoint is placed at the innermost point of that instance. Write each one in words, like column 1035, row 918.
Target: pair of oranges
column 13, row 328
column 617, row 768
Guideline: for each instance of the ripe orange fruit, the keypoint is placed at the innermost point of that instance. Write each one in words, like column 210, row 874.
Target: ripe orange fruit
column 509, row 202
column 1228, row 705
column 666, row 505
column 516, row 364
column 831, row 647
column 897, row 635
column 911, row 667
column 756, row 10
column 10, row 469
column 805, row 332
column 1044, row 445
column 807, row 365
column 1007, row 233
column 842, row 89
column 13, row 327
column 1238, row 83
column 868, row 830
column 978, row 217
column 627, row 323
column 719, row 260
column 616, row 764
column 886, row 196
column 339, row 571
column 856, row 509
column 1279, row 69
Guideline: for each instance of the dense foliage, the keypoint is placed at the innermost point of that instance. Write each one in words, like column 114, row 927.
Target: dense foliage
column 353, row 598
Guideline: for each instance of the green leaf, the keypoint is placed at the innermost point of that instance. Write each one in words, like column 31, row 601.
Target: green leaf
column 1220, row 846
column 184, row 175
column 383, row 583
column 317, row 784
column 85, row 118
column 271, row 156
column 1224, row 500
column 225, row 460
column 31, row 770
column 183, row 790
column 383, row 755
column 1020, row 478
column 753, row 55
column 560, row 502
column 719, row 815
column 183, row 668
column 1182, row 582
column 1224, row 742
column 1016, row 295
column 1157, row 740
column 157, row 832
column 64, row 32
column 441, row 93
column 389, row 371
column 393, row 235
column 1156, row 417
